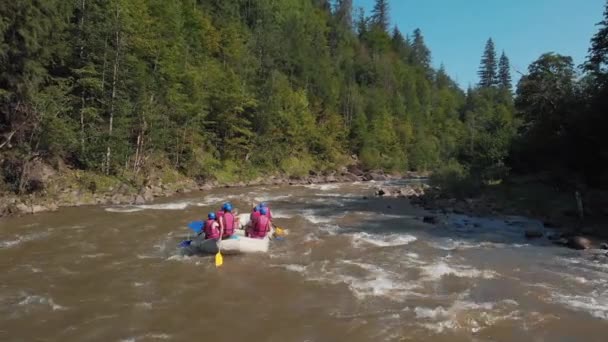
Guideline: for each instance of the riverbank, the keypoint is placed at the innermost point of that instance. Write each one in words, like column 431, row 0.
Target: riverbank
column 70, row 188
column 555, row 208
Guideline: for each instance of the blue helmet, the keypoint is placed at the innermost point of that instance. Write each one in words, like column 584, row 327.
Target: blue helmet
column 263, row 210
column 212, row 216
column 263, row 205
column 256, row 208
column 227, row 206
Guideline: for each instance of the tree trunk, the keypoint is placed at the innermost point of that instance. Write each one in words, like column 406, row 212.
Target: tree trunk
column 113, row 98
column 82, row 100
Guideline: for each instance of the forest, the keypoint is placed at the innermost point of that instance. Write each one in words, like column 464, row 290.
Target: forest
column 232, row 90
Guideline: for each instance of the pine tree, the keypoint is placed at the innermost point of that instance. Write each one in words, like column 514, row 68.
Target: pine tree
column 361, row 22
column 487, row 70
column 597, row 60
column 400, row 44
column 344, row 13
column 380, row 14
column 421, row 54
column 504, row 72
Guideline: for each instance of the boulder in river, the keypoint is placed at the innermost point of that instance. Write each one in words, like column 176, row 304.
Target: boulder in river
column 430, row 220
column 579, row 243
column 604, row 245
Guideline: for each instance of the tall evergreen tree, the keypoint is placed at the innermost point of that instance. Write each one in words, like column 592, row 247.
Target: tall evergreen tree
column 400, row 44
column 597, row 60
column 420, row 52
column 344, row 13
column 380, row 14
column 488, row 67
column 504, row 72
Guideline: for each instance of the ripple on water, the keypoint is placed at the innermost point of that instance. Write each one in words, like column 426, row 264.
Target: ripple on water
column 390, row 240
column 33, row 300
column 440, row 269
column 20, row 239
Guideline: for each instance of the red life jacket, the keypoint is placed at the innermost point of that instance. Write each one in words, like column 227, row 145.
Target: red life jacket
column 254, row 217
column 211, row 230
column 261, row 227
column 228, row 220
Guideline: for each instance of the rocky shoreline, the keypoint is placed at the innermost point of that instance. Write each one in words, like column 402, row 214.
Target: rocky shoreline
column 432, row 200
column 124, row 194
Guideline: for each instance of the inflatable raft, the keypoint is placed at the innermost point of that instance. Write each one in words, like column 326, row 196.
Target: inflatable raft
column 237, row 244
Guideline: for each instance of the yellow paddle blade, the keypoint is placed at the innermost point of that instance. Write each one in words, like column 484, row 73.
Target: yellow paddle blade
column 219, row 260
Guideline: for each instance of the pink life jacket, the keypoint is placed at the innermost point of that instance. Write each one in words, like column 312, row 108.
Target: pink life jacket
column 211, row 230
column 228, row 219
column 219, row 214
column 261, row 227
column 254, row 217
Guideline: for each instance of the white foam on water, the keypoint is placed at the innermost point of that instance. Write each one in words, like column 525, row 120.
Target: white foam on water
column 594, row 303
column 310, row 237
column 94, row 256
column 322, row 187
column 164, row 206
column 466, row 315
column 330, row 229
column 179, row 257
column 137, row 284
column 281, row 214
column 40, row 300
column 390, row 240
column 19, row 239
column 123, row 210
column 309, row 215
column 440, row 269
column 292, row 267
column 270, row 198
column 422, row 312
column 144, row 305
column 143, row 257
column 377, row 283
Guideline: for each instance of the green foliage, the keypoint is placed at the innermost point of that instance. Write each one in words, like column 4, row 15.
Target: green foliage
column 455, row 180
column 233, row 89
column 488, row 69
column 297, row 167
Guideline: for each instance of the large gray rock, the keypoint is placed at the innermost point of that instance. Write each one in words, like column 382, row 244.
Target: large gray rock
column 139, row 200
column 579, row 243
column 350, row 177
column 430, row 220
column 38, row 209
column 22, row 208
column 604, row 245
column 147, row 194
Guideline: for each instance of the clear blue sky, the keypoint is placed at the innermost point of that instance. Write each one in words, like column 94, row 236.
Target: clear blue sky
column 456, row 30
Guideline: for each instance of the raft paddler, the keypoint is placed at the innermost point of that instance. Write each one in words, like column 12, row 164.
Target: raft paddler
column 212, row 227
column 228, row 222
column 261, row 226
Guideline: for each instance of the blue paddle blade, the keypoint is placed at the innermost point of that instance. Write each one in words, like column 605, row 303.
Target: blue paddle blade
column 196, row 226
column 186, row 243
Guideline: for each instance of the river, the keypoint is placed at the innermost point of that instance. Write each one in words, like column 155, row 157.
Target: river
column 351, row 269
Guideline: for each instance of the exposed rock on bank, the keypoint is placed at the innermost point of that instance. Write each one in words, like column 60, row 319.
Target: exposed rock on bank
column 53, row 192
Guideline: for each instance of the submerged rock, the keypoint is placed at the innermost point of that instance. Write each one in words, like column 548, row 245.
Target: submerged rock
column 579, row 243
column 430, row 220
column 534, row 233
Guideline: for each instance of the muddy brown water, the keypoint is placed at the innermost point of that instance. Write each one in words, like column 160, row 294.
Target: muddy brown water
column 352, row 269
